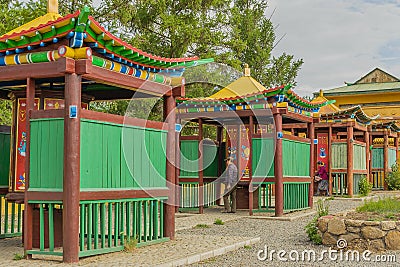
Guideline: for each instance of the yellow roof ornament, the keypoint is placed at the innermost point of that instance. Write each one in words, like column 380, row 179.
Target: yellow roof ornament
column 246, row 70
column 52, row 6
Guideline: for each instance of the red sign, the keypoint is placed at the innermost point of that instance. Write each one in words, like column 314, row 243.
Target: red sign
column 21, row 143
column 322, row 149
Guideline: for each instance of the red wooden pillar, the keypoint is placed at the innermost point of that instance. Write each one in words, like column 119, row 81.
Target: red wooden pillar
column 396, row 144
column 28, row 211
column 250, row 163
column 371, row 143
column 350, row 142
column 201, row 177
column 330, row 159
column 367, row 153
column 311, row 134
column 385, row 157
column 71, row 181
column 278, row 166
column 169, row 208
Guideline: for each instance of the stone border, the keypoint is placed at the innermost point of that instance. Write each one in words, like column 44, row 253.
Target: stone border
column 373, row 235
column 210, row 254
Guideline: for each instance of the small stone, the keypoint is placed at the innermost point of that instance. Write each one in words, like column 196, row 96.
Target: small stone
column 388, row 225
column 336, row 226
column 353, row 223
column 392, row 240
column 376, row 245
column 353, row 229
column 328, row 239
column 323, row 224
column 370, row 232
column 349, row 237
column 372, row 223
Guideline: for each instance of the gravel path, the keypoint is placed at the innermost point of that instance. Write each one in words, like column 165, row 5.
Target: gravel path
column 281, row 235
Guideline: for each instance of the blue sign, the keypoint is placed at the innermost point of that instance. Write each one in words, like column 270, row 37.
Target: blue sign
column 73, row 112
column 178, row 127
column 315, row 141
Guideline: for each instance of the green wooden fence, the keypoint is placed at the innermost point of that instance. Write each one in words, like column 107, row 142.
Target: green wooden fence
column 296, row 158
column 339, row 186
column 105, row 225
column 266, row 200
column 339, row 155
column 189, row 195
column 295, row 196
column 359, row 157
column 263, row 157
column 378, row 179
column 11, row 218
column 4, row 159
column 377, row 157
column 391, row 157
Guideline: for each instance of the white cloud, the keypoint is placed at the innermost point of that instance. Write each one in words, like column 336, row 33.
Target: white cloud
column 339, row 40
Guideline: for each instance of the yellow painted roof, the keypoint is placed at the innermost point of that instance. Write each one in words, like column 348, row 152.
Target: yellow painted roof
column 35, row 23
column 330, row 108
column 243, row 86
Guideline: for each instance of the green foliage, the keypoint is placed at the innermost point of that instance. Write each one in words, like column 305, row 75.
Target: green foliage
column 219, row 222
column 364, row 186
column 130, row 245
column 311, row 228
column 202, row 225
column 18, row 257
column 393, row 178
column 247, row 247
column 6, row 112
column 383, row 206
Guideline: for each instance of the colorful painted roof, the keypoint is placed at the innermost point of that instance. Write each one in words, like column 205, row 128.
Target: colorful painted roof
column 247, row 93
column 330, row 108
column 354, row 112
column 392, row 125
column 82, row 30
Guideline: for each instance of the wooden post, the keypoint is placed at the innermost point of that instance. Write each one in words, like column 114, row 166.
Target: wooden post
column 371, row 177
column 367, row 153
column 311, row 134
column 385, row 157
column 169, row 208
column 350, row 142
column 71, row 181
column 200, row 167
column 396, row 143
column 28, row 211
column 330, row 160
column 278, row 166
column 250, row 163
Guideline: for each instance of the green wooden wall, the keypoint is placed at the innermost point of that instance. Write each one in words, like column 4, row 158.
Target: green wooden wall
column 296, row 158
column 5, row 158
column 392, row 157
column 339, row 156
column 263, row 156
column 117, row 156
column 377, row 157
column 47, row 154
column 359, row 157
column 210, row 160
column 190, row 151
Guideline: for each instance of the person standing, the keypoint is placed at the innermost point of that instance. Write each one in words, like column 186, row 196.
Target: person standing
column 322, row 178
column 231, row 179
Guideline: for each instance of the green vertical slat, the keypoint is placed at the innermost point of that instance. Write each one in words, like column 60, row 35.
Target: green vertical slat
column 96, row 225
column 19, row 217
column 41, row 223
column 150, row 219
column 12, row 217
column 1, row 212
column 128, row 221
column 51, row 227
column 135, row 220
column 139, row 220
column 89, row 226
column 82, row 228
column 110, row 216
column 155, row 236
column 103, row 224
column 122, row 222
column 116, row 223
column 161, row 219
column 5, row 216
column 145, row 215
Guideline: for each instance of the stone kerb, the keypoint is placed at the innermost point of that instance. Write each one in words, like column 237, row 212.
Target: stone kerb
column 373, row 235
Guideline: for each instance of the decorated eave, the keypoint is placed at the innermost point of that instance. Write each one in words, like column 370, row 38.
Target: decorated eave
column 82, row 31
column 386, row 125
column 281, row 96
column 354, row 112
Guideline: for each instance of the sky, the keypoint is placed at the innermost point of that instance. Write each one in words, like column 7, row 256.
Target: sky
column 339, row 40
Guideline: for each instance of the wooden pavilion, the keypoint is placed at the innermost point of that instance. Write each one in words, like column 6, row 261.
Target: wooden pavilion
column 275, row 167
column 86, row 190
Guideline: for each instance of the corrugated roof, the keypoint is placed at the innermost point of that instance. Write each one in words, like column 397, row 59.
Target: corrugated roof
column 364, row 88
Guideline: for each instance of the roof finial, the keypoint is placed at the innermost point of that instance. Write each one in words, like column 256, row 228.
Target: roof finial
column 246, row 70
column 52, row 6
column 321, row 93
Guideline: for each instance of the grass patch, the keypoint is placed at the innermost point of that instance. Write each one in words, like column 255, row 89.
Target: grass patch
column 219, row 222
column 18, row 257
column 202, row 225
column 248, row 247
column 383, row 206
column 130, row 245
